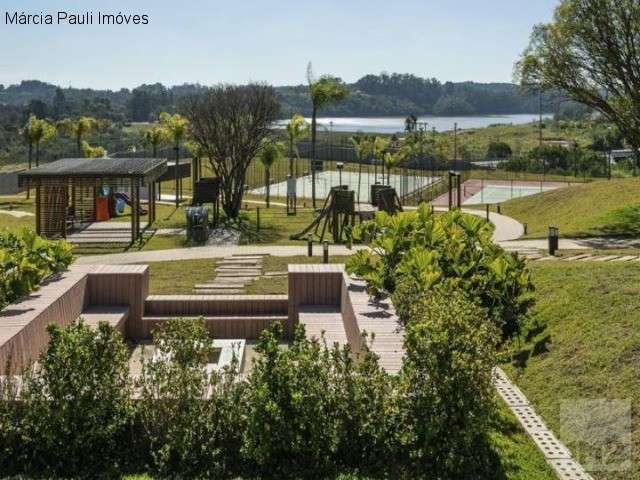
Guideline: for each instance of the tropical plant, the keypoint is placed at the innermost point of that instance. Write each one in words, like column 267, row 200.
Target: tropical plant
column 297, row 128
column 177, row 127
column 229, row 123
column 270, row 153
column 78, row 403
column 419, row 251
column 78, row 129
column 25, row 260
column 36, row 132
column 323, row 91
column 447, row 394
column 590, row 53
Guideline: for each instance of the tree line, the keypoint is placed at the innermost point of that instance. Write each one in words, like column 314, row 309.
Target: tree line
column 384, row 94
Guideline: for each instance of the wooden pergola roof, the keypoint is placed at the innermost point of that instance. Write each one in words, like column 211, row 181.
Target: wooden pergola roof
column 144, row 170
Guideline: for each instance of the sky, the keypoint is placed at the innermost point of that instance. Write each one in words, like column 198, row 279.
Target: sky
column 220, row 41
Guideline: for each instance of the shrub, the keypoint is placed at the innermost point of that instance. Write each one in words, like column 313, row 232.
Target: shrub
column 290, row 428
column 498, row 150
column 77, row 403
column 25, row 260
column 447, row 394
column 427, row 252
column 191, row 418
column 365, row 405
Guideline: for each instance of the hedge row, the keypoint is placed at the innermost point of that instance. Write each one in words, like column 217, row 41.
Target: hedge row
column 305, row 411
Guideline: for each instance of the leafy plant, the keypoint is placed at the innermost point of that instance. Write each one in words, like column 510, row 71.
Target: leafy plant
column 78, row 403
column 25, row 260
column 191, row 417
column 420, row 252
column 447, row 394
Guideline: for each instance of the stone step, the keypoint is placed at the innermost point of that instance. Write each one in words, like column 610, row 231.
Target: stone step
column 606, row 258
column 237, row 277
column 576, row 257
column 236, row 264
column 260, row 255
column 246, row 271
column 626, row 258
column 275, row 274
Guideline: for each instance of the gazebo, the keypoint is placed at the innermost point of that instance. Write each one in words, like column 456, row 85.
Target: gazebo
column 75, row 197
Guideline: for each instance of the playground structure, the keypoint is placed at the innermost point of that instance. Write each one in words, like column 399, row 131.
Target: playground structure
column 76, row 197
column 207, row 190
column 387, row 200
column 337, row 215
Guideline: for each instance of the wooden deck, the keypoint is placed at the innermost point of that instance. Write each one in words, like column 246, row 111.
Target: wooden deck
column 103, row 232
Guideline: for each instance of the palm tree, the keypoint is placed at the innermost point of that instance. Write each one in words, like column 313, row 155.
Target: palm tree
column 323, row 91
column 297, row 128
column 177, row 127
column 271, row 152
column 380, row 145
column 154, row 137
column 362, row 146
column 36, row 132
column 77, row 129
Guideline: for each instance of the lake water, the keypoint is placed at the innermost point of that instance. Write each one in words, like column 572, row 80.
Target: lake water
column 396, row 124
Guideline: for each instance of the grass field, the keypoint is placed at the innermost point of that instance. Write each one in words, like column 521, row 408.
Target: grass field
column 596, row 208
column 178, row 277
column 584, row 343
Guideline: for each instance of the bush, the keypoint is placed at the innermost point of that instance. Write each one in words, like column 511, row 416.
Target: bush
column 290, row 424
column 192, row 419
column 77, row 403
column 447, row 394
column 25, row 260
column 425, row 252
column 498, row 150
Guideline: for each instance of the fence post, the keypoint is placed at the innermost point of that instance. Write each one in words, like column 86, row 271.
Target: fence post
column 258, row 218
column 325, row 252
column 309, row 245
column 487, row 207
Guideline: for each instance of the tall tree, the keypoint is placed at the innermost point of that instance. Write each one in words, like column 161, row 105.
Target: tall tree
column 271, row 152
column 591, row 52
column 323, row 91
column 363, row 148
column 229, row 122
column 36, row 132
column 297, row 128
column 154, row 137
column 177, row 127
column 78, row 129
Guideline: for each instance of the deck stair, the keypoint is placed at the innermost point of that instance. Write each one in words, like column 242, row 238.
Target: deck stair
column 232, row 274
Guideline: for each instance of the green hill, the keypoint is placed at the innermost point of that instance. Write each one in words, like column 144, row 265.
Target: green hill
column 608, row 207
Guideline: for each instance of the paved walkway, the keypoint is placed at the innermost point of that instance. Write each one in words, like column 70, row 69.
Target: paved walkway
column 17, row 213
column 575, row 243
column 210, row 252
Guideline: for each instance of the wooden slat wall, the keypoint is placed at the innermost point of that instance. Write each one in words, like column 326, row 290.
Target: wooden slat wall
column 216, row 305
column 313, row 285
column 23, row 325
column 121, row 285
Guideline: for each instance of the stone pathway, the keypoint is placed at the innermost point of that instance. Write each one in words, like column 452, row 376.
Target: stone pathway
column 555, row 452
column 233, row 274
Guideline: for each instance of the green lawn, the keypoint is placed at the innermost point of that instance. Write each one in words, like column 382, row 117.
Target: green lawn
column 178, row 277
column 584, row 343
column 597, row 208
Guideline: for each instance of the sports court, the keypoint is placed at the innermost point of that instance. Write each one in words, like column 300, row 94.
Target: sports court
column 403, row 184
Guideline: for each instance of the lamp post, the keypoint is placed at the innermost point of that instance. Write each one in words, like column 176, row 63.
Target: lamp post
column 339, row 166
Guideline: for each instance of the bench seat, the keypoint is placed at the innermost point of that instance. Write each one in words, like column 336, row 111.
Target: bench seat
column 114, row 315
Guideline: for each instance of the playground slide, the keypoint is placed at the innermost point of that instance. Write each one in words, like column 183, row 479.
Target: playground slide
column 125, row 198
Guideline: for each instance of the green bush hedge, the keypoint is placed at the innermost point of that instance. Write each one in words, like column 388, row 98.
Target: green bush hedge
column 304, row 411
column 25, row 260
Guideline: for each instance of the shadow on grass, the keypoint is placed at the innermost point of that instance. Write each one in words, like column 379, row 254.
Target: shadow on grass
column 624, row 222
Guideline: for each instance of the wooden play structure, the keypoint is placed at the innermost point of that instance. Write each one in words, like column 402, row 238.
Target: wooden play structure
column 337, row 213
column 387, row 200
column 207, row 190
column 75, row 197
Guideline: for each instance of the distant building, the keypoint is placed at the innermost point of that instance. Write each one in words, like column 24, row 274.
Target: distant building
column 560, row 143
column 616, row 155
